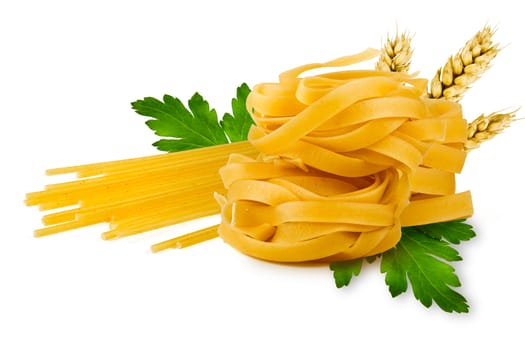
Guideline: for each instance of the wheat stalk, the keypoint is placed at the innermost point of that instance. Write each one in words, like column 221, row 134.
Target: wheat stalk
column 396, row 54
column 461, row 70
column 485, row 127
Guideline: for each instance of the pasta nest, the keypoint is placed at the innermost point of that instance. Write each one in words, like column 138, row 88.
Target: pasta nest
column 346, row 159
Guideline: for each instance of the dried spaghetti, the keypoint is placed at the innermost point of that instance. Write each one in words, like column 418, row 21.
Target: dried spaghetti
column 136, row 195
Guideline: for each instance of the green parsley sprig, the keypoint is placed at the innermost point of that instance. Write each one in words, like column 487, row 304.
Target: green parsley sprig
column 422, row 257
column 197, row 126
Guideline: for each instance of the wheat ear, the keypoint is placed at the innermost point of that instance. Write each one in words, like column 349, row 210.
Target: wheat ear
column 461, row 70
column 396, row 54
column 485, row 127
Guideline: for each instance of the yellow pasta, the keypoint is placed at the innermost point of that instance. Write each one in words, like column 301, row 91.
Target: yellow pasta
column 387, row 151
column 136, row 195
column 336, row 164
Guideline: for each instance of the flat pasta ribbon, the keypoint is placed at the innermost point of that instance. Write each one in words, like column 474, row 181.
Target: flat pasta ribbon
column 346, row 159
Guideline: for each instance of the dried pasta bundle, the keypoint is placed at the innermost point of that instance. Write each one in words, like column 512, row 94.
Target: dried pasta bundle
column 136, row 195
column 347, row 158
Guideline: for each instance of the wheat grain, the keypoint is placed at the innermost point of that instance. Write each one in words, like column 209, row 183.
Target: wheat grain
column 461, row 70
column 396, row 54
column 485, row 127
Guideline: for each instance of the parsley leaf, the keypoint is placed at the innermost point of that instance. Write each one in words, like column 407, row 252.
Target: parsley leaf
column 345, row 270
column 197, row 126
column 237, row 125
column 423, row 260
column 452, row 231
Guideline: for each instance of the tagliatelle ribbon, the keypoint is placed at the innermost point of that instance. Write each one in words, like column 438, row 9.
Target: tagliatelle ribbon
column 346, row 159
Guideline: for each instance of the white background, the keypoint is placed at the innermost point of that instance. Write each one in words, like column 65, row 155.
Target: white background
column 68, row 72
